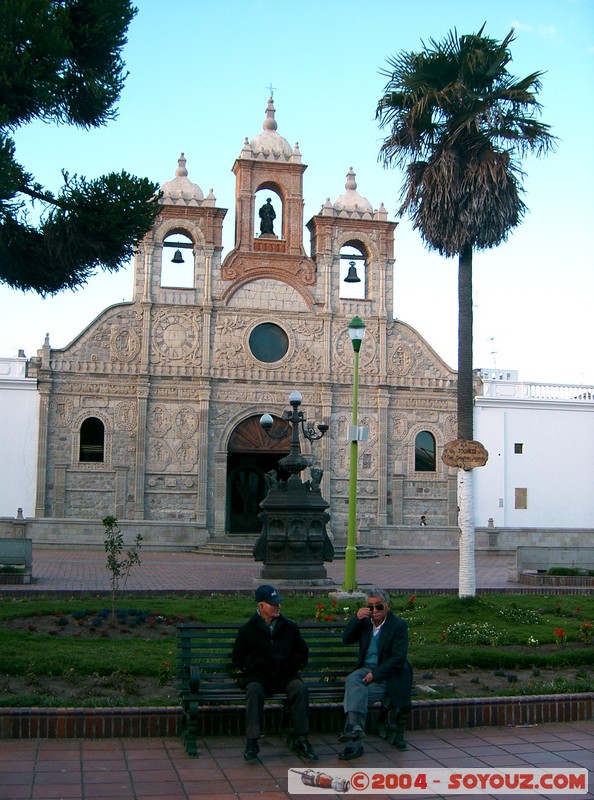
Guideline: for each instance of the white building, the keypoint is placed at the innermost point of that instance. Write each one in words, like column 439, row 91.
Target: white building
column 19, row 425
column 540, row 439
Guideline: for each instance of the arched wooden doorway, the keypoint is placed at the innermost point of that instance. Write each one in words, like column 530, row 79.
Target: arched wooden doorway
column 250, row 455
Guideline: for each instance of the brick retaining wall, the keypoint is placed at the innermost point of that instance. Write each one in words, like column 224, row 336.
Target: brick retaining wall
column 159, row 722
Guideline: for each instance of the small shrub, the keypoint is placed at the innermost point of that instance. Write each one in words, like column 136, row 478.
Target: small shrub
column 119, row 567
column 570, row 571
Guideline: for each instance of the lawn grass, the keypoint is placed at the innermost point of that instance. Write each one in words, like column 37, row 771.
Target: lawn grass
column 504, row 632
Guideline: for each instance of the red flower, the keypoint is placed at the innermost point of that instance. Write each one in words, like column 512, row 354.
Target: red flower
column 319, row 607
column 411, row 599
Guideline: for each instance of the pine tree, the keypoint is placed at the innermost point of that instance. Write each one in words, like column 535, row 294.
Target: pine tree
column 60, row 62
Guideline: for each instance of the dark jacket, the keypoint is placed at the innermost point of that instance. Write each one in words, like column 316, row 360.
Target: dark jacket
column 392, row 667
column 272, row 660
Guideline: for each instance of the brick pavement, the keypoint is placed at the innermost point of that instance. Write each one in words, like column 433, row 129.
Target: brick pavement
column 159, row 769
column 58, row 569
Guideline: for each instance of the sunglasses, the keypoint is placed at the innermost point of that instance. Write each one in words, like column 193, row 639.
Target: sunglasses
column 377, row 606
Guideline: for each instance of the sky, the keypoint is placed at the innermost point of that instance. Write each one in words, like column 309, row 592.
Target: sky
column 198, row 83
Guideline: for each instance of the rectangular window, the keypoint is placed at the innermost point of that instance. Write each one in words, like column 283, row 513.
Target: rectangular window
column 521, row 498
column 518, row 447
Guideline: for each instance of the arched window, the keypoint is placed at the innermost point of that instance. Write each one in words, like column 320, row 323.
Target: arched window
column 92, row 440
column 425, row 452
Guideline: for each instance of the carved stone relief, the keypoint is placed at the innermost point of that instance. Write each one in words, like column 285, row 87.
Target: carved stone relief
column 400, row 359
column 62, row 408
column 176, row 337
column 158, row 420
column 124, row 344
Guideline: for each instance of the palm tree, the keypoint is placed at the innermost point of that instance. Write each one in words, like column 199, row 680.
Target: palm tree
column 459, row 123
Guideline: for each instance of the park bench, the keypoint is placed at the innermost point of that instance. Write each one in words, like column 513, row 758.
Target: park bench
column 207, row 679
column 17, row 553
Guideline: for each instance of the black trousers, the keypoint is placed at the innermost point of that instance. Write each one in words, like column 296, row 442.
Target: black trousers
column 298, row 697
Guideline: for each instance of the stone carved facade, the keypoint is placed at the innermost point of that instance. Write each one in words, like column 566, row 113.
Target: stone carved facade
column 168, row 378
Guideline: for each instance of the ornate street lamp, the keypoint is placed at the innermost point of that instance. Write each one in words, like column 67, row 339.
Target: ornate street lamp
column 295, row 462
column 356, row 330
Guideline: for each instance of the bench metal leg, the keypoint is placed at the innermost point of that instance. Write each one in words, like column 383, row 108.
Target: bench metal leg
column 189, row 731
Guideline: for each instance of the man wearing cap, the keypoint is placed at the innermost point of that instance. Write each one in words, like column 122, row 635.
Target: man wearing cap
column 269, row 652
column 383, row 673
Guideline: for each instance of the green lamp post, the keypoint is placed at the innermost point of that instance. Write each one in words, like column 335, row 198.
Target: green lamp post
column 356, row 330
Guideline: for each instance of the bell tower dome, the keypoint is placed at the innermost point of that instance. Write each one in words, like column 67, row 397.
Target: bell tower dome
column 269, row 214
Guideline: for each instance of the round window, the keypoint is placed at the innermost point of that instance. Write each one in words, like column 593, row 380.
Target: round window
column 268, row 342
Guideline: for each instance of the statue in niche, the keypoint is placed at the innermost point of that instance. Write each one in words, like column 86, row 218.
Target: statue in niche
column 267, row 217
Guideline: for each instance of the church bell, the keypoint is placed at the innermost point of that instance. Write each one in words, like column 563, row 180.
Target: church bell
column 178, row 258
column 352, row 276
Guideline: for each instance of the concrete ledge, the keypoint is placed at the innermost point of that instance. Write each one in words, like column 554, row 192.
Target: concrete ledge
column 157, row 722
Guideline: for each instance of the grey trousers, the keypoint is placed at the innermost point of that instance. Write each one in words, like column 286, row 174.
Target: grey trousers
column 358, row 696
column 298, row 697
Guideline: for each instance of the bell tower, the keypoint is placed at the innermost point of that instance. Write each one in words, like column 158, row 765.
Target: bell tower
column 269, row 234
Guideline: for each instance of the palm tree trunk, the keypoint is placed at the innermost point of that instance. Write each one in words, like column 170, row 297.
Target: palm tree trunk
column 466, row 565
column 467, row 575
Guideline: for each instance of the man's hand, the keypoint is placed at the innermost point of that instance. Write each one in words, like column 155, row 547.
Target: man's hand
column 368, row 678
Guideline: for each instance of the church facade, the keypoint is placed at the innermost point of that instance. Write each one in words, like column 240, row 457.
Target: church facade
column 152, row 413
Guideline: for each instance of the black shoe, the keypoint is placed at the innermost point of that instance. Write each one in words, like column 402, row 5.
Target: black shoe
column 303, row 748
column 252, row 748
column 351, row 733
column 351, row 752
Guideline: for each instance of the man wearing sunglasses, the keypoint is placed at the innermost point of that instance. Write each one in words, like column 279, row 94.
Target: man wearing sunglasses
column 383, row 673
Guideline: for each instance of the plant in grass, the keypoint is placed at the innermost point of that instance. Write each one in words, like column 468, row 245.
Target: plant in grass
column 585, row 632
column 560, row 637
column 411, row 605
column 326, row 615
column 165, row 672
column 532, row 641
column 119, row 567
column 520, row 616
column 466, row 633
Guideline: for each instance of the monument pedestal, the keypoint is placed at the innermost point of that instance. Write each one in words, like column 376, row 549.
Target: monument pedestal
column 294, row 544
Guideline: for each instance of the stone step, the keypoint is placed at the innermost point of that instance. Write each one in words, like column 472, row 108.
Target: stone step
column 243, row 549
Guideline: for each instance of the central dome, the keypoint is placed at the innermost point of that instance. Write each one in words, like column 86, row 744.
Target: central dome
column 269, row 142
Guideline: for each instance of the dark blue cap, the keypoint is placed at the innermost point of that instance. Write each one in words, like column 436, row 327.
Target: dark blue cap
column 268, row 594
